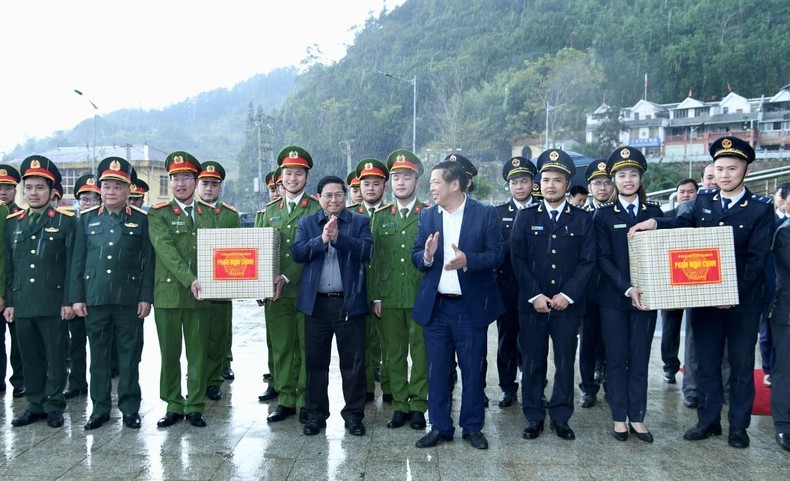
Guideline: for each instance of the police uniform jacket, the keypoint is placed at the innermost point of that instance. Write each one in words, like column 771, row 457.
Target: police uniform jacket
column 549, row 259
column 39, row 270
column 612, row 223
column 114, row 258
column 753, row 225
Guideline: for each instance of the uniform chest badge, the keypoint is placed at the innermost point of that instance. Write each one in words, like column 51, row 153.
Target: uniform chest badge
column 620, row 226
column 275, row 219
column 536, row 227
column 51, row 229
column 388, row 225
column 507, row 219
column 707, row 211
column 178, row 222
column 131, row 224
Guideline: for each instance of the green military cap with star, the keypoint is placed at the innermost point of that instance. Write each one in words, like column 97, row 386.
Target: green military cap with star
column 212, row 170
column 404, row 160
column 180, row 161
column 116, row 168
column 139, row 188
column 84, row 184
column 372, row 168
column 294, row 156
column 9, row 175
column 352, row 180
column 40, row 166
column 270, row 182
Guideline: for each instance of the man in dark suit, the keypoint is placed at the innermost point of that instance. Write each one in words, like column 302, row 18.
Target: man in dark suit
column 334, row 244
column 780, row 328
column 518, row 172
column 553, row 249
column 459, row 247
column 752, row 219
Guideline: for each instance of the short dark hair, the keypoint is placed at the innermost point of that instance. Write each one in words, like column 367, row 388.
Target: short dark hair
column 331, row 179
column 702, row 171
column 785, row 188
column 687, row 181
column 578, row 189
column 451, row 171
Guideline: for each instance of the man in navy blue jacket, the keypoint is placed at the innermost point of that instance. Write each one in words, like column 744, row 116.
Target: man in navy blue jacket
column 459, row 247
column 333, row 244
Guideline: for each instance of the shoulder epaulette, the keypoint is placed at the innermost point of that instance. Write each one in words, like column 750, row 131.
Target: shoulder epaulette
column 707, row 191
column 535, row 206
column 229, row 206
column 503, row 204
column 272, row 202
column 160, row 205
column 201, row 201
column 352, row 206
column 65, row 212
column 608, row 204
column 138, row 210
column 653, row 202
column 760, row 198
column 262, row 211
column 15, row 214
column 424, row 204
column 576, row 206
column 383, row 207
column 314, row 197
column 89, row 209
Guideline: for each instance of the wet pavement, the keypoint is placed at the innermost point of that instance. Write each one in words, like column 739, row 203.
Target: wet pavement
column 239, row 444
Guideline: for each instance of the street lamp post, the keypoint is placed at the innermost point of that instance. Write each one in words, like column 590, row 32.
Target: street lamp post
column 413, row 83
column 95, row 115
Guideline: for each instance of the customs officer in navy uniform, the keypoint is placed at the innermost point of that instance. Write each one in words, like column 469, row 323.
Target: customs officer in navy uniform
column 39, row 247
column 752, row 219
column 518, row 172
column 627, row 329
column 553, row 256
column 779, row 317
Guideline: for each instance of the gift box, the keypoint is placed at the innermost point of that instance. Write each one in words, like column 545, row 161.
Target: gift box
column 238, row 263
column 681, row 268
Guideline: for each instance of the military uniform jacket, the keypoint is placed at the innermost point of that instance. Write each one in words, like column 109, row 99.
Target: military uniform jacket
column 3, row 215
column 753, row 225
column 549, row 259
column 39, row 270
column 277, row 216
column 175, row 245
column 612, row 222
column 506, row 278
column 392, row 278
column 114, row 258
column 227, row 216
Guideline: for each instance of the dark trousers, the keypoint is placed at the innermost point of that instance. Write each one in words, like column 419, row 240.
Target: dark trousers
column 627, row 335
column 17, row 378
column 536, row 328
column 114, row 328
column 331, row 319
column 591, row 349
column 78, row 344
column 780, row 391
column 42, row 341
column 670, row 339
column 508, row 354
column 765, row 339
column 450, row 331
column 712, row 329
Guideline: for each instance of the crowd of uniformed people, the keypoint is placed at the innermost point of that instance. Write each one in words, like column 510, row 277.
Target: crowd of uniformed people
column 407, row 289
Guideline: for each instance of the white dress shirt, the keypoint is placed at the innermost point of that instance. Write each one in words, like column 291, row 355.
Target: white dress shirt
column 451, row 234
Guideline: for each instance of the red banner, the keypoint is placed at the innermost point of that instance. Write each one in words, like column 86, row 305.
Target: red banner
column 235, row 264
column 695, row 266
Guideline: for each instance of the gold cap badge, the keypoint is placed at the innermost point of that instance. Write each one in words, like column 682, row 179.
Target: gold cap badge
column 554, row 155
column 515, row 162
column 115, row 165
column 625, row 153
column 293, row 154
column 178, row 159
column 401, row 158
column 602, row 166
column 726, row 143
column 90, row 182
column 35, row 164
column 209, row 168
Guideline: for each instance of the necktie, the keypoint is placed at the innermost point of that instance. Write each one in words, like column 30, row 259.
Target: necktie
column 188, row 210
column 725, row 203
column 404, row 212
column 554, row 215
column 370, row 211
column 33, row 218
column 291, row 206
column 114, row 215
column 631, row 211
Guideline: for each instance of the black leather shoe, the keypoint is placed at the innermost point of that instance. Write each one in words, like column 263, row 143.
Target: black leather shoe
column 96, row 420
column 702, row 431
column 387, row 398
column 507, row 399
column 54, row 419
column 214, row 393
column 431, row 439
column 783, row 440
column 313, row 427
column 2, row 387
column 27, row 417
column 280, row 414
column 738, row 438
column 533, row 429
column 563, row 430
column 132, row 421
column 370, row 397
column 417, row 420
column 18, row 391
column 587, row 400
column 669, row 378
column 169, row 419
column 397, row 420
column 72, row 393
column 355, row 428
column 477, row 440
column 620, row 436
column 196, row 419
column 646, row 437
column 691, row 402
column 115, row 373
column 267, row 377
column 303, row 416
column 268, row 394
column 228, row 374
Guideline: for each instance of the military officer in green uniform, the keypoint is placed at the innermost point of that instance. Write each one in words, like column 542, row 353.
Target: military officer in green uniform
column 137, row 192
column 354, row 192
column 9, row 179
column 178, row 305
column 392, row 284
column 284, row 323
column 373, row 175
column 220, row 328
column 39, row 246
column 114, row 265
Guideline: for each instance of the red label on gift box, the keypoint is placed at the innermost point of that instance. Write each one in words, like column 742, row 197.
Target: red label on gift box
column 695, row 266
column 231, row 264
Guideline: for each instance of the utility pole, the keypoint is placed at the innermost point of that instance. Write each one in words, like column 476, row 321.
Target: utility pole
column 347, row 151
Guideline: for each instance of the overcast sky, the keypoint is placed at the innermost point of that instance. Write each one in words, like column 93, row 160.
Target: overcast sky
column 150, row 53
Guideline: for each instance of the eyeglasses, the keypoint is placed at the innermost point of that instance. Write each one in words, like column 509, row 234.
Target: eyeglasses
column 330, row 195
column 600, row 183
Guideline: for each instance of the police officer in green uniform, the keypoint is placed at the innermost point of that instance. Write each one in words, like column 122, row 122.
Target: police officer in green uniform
column 284, row 323
column 9, row 179
column 178, row 305
column 137, row 191
column 392, row 284
column 354, row 192
column 373, row 175
column 114, row 262
column 39, row 245
column 220, row 329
